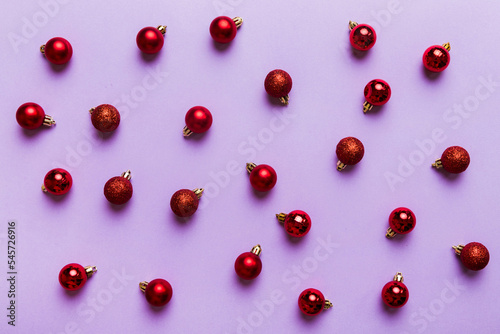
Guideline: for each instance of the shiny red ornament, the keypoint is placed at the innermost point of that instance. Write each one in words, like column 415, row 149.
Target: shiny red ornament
column 437, row 58
column 105, row 118
column 262, row 177
column 184, row 202
column 312, row 302
column 395, row 294
column 158, row 292
column 57, row 182
column 198, row 120
column 118, row 190
column 57, row 50
column 377, row 92
column 223, row 29
column 362, row 36
column 349, row 151
column 74, row 276
column 150, row 40
column 455, row 160
column 474, row 255
column 248, row 265
column 278, row 84
column 31, row 116
column 401, row 221
column 297, row 223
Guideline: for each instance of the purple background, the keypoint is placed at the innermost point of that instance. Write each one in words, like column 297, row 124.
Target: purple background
column 143, row 240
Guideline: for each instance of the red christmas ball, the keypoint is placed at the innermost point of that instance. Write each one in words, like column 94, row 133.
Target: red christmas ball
column 118, row 190
column 362, row 37
column 150, row 40
column 475, row 256
column 402, row 220
column 105, row 118
column 436, row 58
column 31, row 116
column 395, row 293
column 297, row 223
column 278, row 84
column 158, row 292
column 248, row 265
column 57, row 50
column 57, row 182
column 349, row 151
column 455, row 159
column 198, row 120
column 377, row 92
column 262, row 177
column 312, row 302
column 223, row 29
column 74, row 276
column 184, row 202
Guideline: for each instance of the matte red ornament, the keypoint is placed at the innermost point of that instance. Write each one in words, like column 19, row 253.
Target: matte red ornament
column 158, row 292
column 395, row 294
column 312, row 302
column 223, row 29
column 297, row 223
column 349, row 151
column 401, row 221
column 150, row 40
column 474, row 255
column 31, row 116
column 198, row 120
column 118, row 190
column 57, row 182
column 262, row 177
column 278, row 84
column 455, row 160
column 437, row 58
column 105, row 118
column 248, row 265
column 184, row 202
column 57, row 50
column 362, row 36
column 74, row 276
column 377, row 92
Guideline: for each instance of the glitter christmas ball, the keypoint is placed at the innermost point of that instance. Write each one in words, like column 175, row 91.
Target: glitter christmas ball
column 278, row 84
column 455, row 159
column 105, row 118
column 118, row 190
column 474, row 256
column 184, row 202
column 349, row 151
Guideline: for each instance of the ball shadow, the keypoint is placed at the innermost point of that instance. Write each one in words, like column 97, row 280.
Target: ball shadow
column 118, row 208
column 149, row 57
column 221, row 47
column 56, row 198
column 261, row 195
column 274, row 100
column 359, row 55
column 450, row 177
column 245, row 282
column 31, row 133
column 197, row 136
column 431, row 76
column 59, row 68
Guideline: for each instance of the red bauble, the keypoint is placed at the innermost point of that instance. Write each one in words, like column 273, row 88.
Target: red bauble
column 184, row 202
column 248, row 265
column 57, row 50
column 150, row 40
column 455, row 160
column 73, row 276
column 57, row 182
column 474, row 255
column 297, row 223
column 223, row 29
column 312, row 302
column 362, row 36
column 118, row 190
column 262, row 177
column 349, row 151
column 278, row 84
column 31, row 116
column 377, row 92
column 437, row 58
column 395, row 294
column 401, row 221
column 158, row 292
column 105, row 118
column 198, row 120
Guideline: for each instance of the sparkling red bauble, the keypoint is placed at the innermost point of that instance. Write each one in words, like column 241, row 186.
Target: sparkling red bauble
column 278, row 83
column 455, row 159
column 311, row 302
column 72, row 276
column 105, row 118
column 184, row 203
column 402, row 220
column 158, row 292
column 30, row 116
column 118, row 190
column 362, row 37
column 395, row 294
column 198, row 119
column 223, row 29
column 57, row 181
column 475, row 256
column 263, row 178
column 58, row 51
column 150, row 40
column 248, row 265
column 377, row 92
column 350, row 150
column 297, row 223
column 436, row 58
